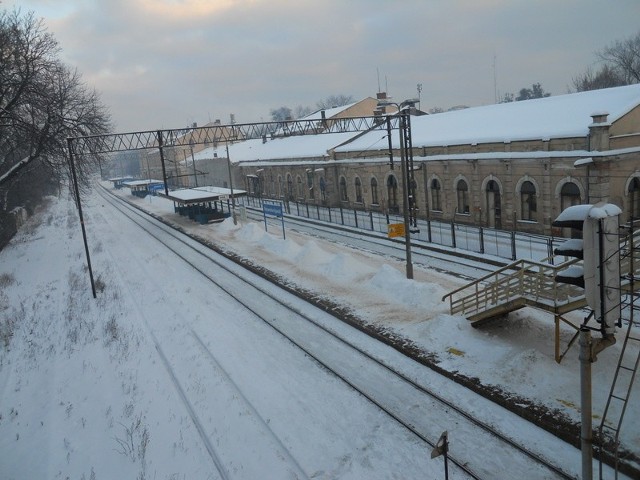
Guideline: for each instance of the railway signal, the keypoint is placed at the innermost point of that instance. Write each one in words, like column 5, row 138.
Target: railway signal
column 598, row 249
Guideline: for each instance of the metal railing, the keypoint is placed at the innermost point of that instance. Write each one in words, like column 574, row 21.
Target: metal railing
column 506, row 244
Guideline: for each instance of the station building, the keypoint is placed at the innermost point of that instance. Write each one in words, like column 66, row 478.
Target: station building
column 511, row 166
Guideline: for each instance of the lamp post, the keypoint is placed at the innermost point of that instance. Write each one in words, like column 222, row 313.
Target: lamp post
column 405, row 173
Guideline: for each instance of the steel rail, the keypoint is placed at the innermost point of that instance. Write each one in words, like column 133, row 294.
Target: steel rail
column 421, row 388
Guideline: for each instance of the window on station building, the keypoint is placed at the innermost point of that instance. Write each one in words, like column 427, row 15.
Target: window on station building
column 310, row 186
column 300, row 187
column 392, row 192
column 634, row 199
column 436, row 197
column 569, row 195
column 343, row 189
column 290, row 194
column 528, row 201
column 374, row 191
column 358, row 184
column 462, row 191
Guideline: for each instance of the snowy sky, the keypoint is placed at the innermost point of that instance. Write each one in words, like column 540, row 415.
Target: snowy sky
column 169, row 63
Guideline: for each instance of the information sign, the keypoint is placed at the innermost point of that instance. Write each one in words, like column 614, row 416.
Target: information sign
column 395, row 230
column 273, row 209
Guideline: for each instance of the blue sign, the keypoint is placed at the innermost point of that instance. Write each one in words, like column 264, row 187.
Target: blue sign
column 273, row 209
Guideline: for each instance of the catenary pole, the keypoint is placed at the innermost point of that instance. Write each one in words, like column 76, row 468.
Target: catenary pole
column 79, row 204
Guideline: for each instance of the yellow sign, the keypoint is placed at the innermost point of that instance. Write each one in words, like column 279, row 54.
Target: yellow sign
column 395, row 230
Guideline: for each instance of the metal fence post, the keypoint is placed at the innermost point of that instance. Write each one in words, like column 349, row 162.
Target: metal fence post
column 453, row 235
column 513, row 245
column 355, row 215
column 371, row 219
column 481, row 232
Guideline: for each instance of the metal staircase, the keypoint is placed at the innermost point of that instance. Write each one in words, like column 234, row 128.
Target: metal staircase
column 529, row 283
column 521, row 283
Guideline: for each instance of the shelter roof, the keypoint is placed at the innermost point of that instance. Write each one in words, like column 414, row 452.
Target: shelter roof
column 201, row 194
column 137, row 183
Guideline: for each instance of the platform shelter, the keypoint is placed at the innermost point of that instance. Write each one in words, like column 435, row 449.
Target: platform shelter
column 141, row 188
column 203, row 204
column 119, row 181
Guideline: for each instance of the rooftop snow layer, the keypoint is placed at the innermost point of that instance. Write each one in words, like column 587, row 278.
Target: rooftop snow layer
column 551, row 117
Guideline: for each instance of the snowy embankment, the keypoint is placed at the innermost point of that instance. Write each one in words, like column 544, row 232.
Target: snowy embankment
column 80, row 381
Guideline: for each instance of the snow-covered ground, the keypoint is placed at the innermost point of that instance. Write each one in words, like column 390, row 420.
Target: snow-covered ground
column 83, row 390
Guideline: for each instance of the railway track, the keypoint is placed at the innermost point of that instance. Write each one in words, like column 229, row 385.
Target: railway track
column 406, row 399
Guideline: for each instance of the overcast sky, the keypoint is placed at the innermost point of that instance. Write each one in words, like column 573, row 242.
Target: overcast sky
column 169, row 63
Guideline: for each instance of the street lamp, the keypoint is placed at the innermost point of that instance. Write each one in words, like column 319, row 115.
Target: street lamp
column 402, row 114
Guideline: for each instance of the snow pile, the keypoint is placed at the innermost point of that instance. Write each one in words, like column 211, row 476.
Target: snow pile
column 394, row 285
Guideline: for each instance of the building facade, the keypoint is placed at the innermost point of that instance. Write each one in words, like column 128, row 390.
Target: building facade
column 510, row 166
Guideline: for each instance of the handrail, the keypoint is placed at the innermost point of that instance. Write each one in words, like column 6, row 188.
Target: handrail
column 512, row 266
column 506, row 288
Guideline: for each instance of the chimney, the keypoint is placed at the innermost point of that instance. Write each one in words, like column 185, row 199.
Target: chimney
column 599, row 132
column 323, row 114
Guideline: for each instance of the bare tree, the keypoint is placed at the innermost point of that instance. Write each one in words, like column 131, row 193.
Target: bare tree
column 606, row 77
column 624, row 57
column 42, row 102
column 536, row 91
column 335, row 101
column 280, row 114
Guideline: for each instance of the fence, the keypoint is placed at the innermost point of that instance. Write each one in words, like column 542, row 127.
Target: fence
column 500, row 243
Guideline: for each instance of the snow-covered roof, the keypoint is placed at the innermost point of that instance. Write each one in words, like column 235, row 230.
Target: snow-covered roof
column 558, row 116
column 296, row 146
column 328, row 112
column 201, row 194
column 137, row 183
column 575, row 215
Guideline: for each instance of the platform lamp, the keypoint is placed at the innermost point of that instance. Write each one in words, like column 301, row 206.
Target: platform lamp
column 402, row 112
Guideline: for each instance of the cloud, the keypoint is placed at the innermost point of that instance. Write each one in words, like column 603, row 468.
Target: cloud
column 172, row 62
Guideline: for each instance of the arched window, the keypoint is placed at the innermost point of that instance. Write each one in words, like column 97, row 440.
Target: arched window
column 358, row 185
column 528, row 201
column 374, row 191
column 290, row 187
column 300, row 187
column 436, row 200
column 462, row 191
column 634, row 199
column 323, row 189
column 343, row 190
column 310, row 186
column 279, row 192
column 392, row 193
column 569, row 195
